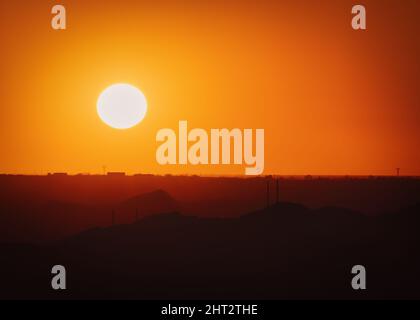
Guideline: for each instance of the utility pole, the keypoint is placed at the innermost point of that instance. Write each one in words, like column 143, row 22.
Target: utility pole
column 113, row 217
column 277, row 191
column 268, row 193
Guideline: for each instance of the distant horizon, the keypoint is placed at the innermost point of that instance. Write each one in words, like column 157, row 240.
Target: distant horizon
column 125, row 174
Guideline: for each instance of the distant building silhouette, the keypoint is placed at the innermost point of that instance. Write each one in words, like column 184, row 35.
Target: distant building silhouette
column 58, row 174
column 116, row 174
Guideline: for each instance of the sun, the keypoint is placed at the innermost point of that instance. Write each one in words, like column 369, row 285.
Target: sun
column 122, row 106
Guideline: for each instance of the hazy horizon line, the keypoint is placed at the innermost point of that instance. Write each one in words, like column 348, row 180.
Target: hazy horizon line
column 124, row 174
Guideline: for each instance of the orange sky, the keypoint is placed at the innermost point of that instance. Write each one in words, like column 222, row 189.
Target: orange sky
column 331, row 100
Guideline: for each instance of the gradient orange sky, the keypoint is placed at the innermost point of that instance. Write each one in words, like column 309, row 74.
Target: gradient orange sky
column 331, row 100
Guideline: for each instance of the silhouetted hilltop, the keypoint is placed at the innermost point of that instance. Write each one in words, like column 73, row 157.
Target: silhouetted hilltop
column 213, row 196
column 149, row 203
column 43, row 208
column 47, row 219
column 217, row 240
column 285, row 251
column 300, row 216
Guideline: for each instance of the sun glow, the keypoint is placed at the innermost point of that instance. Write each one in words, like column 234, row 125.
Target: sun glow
column 121, row 106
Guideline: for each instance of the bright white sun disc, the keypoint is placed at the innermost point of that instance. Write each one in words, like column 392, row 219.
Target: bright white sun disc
column 122, row 106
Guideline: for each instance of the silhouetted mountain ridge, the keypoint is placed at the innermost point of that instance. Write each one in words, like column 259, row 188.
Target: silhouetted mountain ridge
column 285, row 251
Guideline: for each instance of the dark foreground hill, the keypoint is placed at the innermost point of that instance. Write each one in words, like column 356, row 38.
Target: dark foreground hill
column 50, row 219
column 284, row 252
column 37, row 209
